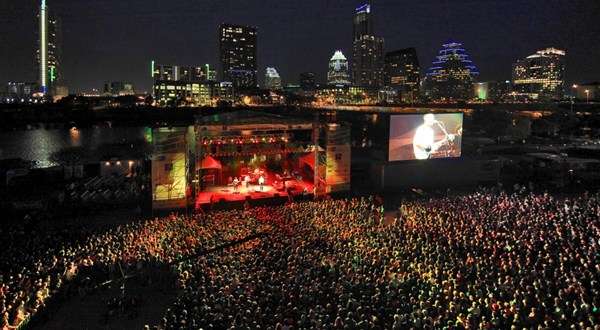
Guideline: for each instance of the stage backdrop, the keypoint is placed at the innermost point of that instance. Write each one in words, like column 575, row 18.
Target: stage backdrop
column 425, row 136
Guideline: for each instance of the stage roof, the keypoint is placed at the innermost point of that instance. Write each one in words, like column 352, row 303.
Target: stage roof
column 248, row 117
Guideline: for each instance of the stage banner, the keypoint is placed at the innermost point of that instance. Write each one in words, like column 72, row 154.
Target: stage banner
column 169, row 168
column 338, row 153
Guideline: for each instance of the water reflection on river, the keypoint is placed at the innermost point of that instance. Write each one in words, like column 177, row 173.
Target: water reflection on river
column 39, row 145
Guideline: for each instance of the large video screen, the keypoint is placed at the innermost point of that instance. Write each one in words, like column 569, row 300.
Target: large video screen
column 425, row 136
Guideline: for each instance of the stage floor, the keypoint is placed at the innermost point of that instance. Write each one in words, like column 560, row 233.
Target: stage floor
column 216, row 194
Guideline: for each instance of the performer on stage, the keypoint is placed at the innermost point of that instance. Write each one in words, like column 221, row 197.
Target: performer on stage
column 261, row 182
column 424, row 143
column 235, row 184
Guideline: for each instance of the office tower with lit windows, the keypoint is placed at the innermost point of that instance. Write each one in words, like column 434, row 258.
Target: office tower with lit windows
column 237, row 54
column 540, row 76
column 165, row 72
column 272, row 79
column 175, row 85
column 451, row 76
column 308, row 81
column 182, row 73
column 337, row 74
column 402, row 73
column 367, row 51
column 48, row 53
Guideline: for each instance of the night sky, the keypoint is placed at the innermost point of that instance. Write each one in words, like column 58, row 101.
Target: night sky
column 106, row 40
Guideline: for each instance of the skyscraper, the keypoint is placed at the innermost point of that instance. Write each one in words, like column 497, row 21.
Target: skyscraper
column 452, row 74
column 272, row 79
column 362, row 24
column 49, row 51
column 402, row 73
column 540, row 76
column 367, row 51
column 237, row 49
column 338, row 69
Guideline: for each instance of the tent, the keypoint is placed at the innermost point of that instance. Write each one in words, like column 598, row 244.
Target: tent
column 211, row 170
column 308, row 159
column 210, row 163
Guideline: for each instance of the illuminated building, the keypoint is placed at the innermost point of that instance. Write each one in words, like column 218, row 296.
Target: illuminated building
column 362, row 23
column 20, row 90
column 402, row 73
column 481, row 90
column 367, row 51
column 170, row 92
column 338, row 70
column 224, row 92
column 491, row 91
column 209, row 74
column 307, row 81
column 387, row 95
column 451, row 76
column 118, row 88
column 272, row 79
column 181, row 93
column 175, row 85
column 162, row 72
column 540, row 76
column 48, row 51
column 367, row 62
column 237, row 52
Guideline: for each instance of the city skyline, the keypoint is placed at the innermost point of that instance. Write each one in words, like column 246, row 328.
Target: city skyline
column 135, row 35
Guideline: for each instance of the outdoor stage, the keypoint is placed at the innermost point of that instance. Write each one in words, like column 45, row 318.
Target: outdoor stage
column 243, row 149
column 216, row 194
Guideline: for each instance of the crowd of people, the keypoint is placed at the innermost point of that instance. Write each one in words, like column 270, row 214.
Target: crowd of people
column 38, row 266
column 485, row 260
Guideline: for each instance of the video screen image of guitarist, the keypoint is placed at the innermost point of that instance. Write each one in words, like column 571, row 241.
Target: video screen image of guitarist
column 425, row 136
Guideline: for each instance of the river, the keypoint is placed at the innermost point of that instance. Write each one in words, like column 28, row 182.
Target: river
column 38, row 145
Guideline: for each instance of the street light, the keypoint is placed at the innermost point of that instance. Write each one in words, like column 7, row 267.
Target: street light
column 573, row 96
column 587, row 96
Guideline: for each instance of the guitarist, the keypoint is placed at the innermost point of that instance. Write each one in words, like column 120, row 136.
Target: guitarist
column 424, row 144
